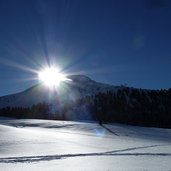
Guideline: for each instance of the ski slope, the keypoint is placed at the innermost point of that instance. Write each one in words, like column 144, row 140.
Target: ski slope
column 33, row 145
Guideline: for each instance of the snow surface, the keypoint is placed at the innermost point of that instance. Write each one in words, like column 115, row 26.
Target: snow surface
column 63, row 145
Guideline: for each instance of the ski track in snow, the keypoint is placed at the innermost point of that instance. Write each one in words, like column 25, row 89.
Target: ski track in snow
column 64, row 156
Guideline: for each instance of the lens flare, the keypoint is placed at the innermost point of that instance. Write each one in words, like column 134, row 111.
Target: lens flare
column 52, row 76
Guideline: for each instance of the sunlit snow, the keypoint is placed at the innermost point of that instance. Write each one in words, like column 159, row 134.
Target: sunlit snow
column 63, row 145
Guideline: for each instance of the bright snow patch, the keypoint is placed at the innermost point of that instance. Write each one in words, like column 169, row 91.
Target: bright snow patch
column 60, row 145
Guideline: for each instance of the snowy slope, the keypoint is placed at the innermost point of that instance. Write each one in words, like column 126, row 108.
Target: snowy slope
column 79, row 87
column 60, row 145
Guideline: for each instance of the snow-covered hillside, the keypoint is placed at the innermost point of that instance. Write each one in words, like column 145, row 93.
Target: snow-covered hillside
column 60, row 145
column 79, row 87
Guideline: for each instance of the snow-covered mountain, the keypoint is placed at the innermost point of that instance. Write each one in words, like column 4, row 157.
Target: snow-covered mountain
column 79, row 86
column 81, row 98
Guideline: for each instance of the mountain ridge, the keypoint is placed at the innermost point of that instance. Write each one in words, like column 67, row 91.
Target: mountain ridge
column 79, row 86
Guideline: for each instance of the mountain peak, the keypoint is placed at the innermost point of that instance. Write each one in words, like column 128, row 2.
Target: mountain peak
column 80, row 78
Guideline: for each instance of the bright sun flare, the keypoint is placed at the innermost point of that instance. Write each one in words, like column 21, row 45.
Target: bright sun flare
column 51, row 76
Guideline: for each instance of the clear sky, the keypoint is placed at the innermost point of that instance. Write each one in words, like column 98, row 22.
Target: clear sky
column 112, row 41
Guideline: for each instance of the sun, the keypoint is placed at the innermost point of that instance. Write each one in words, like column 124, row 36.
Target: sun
column 51, row 76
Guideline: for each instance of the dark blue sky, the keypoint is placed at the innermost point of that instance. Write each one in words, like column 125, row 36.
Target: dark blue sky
column 112, row 41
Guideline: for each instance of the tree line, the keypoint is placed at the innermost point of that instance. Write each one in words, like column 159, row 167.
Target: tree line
column 126, row 105
column 38, row 111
